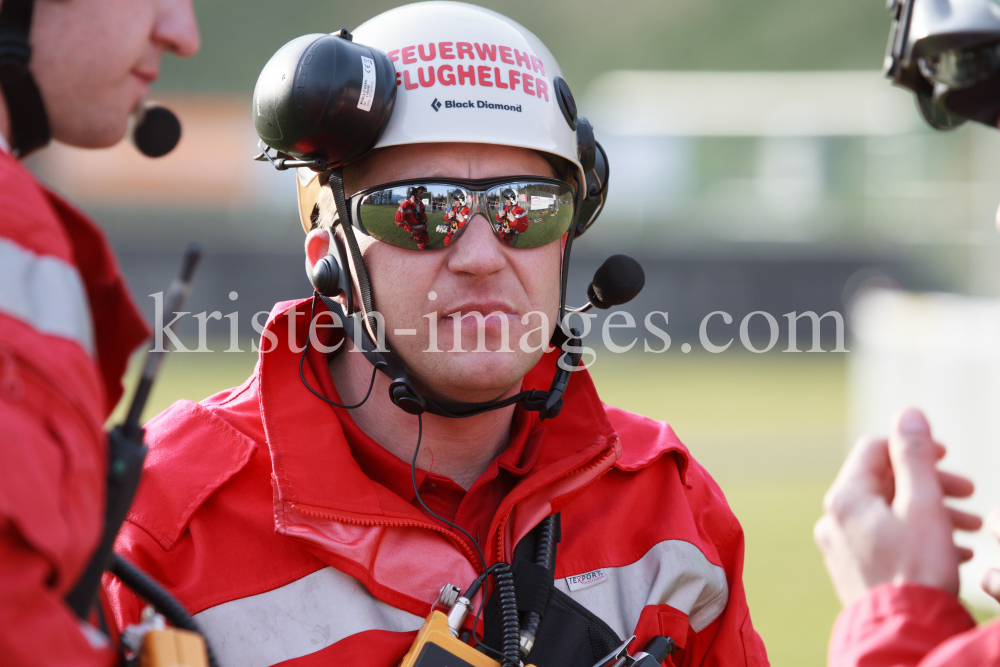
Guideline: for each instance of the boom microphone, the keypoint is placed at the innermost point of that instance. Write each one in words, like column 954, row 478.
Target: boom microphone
column 156, row 130
column 618, row 281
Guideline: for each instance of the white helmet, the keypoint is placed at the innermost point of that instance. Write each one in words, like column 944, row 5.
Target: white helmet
column 469, row 75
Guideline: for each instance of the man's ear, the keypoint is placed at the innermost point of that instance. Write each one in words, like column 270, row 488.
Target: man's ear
column 317, row 247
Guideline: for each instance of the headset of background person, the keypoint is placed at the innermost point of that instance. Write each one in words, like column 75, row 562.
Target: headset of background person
column 74, row 71
column 314, row 513
column 886, row 534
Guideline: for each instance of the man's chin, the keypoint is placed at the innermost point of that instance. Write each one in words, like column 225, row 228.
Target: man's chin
column 477, row 379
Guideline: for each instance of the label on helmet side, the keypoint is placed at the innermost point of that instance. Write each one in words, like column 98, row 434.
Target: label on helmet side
column 367, row 84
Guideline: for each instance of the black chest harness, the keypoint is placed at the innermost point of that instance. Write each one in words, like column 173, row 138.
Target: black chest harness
column 567, row 634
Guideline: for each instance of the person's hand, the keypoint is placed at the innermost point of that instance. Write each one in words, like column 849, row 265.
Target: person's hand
column 991, row 577
column 884, row 517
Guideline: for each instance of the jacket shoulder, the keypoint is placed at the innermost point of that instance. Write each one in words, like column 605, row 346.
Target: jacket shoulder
column 194, row 449
column 29, row 219
column 677, row 497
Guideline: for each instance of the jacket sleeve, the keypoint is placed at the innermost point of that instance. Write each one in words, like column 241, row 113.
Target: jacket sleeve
column 902, row 626
column 36, row 626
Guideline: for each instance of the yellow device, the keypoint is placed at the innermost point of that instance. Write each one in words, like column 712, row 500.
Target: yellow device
column 174, row 648
column 436, row 647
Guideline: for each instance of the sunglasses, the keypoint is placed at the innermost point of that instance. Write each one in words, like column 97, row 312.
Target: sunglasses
column 524, row 211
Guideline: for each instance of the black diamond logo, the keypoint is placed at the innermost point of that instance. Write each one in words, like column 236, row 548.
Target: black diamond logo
column 435, row 104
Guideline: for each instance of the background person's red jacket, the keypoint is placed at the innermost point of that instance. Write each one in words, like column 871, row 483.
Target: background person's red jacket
column 253, row 510
column 911, row 626
column 67, row 327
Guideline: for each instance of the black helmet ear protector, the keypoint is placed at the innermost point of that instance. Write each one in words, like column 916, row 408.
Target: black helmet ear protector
column 155, row 130
column 948, row 53
column 315, row 104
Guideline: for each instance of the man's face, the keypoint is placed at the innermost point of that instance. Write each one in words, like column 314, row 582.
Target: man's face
column 476, row 273
column 94, row 60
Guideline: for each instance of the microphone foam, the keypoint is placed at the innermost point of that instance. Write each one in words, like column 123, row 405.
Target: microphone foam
column 157, row 131
column 618, row 281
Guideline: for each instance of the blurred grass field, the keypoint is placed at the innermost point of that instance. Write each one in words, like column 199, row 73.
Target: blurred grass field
column 770, row 429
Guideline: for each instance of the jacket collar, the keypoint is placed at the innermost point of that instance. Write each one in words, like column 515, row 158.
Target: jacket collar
column 313, row 465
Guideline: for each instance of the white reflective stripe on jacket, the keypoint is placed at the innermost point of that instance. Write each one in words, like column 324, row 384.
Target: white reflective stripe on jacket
column 45, row 293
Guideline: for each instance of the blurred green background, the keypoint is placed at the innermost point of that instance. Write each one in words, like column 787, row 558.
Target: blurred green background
column 588, row 37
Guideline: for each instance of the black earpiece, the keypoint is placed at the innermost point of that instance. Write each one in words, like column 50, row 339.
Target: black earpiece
column 323, row 96
column 331, row 275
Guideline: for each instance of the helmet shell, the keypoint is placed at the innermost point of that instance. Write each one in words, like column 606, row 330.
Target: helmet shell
column 504, row 94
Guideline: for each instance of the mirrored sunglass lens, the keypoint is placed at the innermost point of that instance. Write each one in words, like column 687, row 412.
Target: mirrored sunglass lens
column 530, row 215
column 417, row 217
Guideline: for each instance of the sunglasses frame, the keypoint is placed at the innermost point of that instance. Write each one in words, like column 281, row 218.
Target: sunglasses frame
column 478, row 187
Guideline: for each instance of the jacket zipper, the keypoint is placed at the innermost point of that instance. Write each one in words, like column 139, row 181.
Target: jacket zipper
column 469, row 554
column 584, row 468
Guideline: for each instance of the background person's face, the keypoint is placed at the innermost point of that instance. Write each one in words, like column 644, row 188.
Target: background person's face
column 476, row 273
column 94, row 61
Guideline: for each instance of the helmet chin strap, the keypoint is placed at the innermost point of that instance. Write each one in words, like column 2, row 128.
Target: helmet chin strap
column 402, row 391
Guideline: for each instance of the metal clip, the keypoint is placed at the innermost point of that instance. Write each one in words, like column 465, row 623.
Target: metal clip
column 619, row 657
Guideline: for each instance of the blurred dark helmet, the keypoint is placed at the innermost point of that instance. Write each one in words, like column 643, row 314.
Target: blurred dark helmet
column 948, row 53
column 509, row 194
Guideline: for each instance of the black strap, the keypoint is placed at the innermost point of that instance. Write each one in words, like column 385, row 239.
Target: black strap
column 29, row 124
column 533, row 585
column 344, row 215
column 570, row 635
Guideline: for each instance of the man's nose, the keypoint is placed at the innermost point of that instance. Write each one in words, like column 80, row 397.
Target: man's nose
column 176, row 28
column 478, row 251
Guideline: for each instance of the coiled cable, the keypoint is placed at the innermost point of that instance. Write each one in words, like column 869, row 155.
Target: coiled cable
column 511, row 643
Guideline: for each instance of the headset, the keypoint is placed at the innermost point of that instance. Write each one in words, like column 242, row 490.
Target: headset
column 305, row 108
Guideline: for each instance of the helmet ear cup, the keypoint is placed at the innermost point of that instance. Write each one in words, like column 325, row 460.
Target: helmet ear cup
column 324, row 96
column 586, row 144
column 597, row 189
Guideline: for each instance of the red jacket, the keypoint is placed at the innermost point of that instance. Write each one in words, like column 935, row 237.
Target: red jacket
column 520, row 222
column 254, row 513
column 67, row 327
column 410, row 215
column 904, row 626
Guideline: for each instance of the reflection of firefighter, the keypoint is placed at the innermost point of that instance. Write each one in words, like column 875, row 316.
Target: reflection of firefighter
column 412, row 218
column 512, row 218
column 457, row 216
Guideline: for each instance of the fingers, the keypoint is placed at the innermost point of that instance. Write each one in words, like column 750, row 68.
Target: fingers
column 914, row 459
column 954, row 485
column 993, row 523
column 865, row 472
column 991, row 583
column 964, row 554
column 964, row 521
